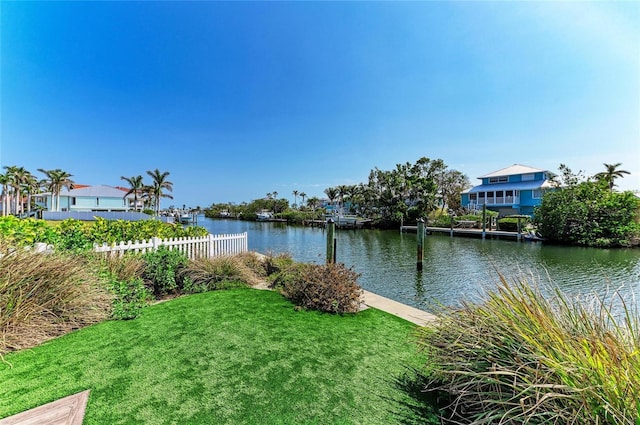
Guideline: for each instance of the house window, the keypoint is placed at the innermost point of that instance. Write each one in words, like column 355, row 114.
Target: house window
column 537, row 194
column 73, row 200
column 528, row 177
column 473, row 196
column 503, row 179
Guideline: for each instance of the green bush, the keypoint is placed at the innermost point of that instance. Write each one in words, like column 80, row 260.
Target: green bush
column 589, row 214
column 510, row 224
column 162, row 271
column 523, row 357
column 330, row 288
column 130, row 297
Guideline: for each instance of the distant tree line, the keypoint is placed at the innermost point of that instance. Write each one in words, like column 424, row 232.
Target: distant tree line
column 405, row 193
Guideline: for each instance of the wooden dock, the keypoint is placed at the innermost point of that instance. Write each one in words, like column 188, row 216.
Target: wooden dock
column 466, row 232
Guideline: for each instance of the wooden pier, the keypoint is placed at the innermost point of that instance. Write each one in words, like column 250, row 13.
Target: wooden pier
column 466, row 232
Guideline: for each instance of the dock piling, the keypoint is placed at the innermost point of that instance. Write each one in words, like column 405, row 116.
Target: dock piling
column 420, row 243
column 331, row 241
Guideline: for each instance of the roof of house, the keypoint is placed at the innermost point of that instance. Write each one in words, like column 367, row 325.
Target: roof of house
column 101, row 191
column 512, row 170
column 528, row 185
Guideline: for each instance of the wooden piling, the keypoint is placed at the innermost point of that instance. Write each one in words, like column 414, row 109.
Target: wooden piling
column 420, row 243
column 331, row 242
column 484, row 220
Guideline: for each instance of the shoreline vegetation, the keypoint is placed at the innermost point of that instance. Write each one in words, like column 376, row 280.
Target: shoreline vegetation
column 516, row 356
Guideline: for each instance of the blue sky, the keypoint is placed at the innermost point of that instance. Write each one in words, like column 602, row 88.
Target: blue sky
column 239, row 99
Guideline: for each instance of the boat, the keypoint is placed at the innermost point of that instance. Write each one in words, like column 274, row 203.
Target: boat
column 224, row 214
column 264, row 215
column 185, row 218
column 532, row 236
column 342, row 220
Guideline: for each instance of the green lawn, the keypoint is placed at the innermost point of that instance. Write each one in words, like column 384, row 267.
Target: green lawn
column 240, row 356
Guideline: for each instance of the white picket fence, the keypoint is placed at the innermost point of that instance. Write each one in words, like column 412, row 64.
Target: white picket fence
column 203, row 247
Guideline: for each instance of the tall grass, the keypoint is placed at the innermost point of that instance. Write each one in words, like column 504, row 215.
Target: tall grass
column 42, row 296
column 208, row 274
column 521, row 357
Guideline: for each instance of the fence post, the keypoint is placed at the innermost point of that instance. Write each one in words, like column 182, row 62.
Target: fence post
column 155, row 243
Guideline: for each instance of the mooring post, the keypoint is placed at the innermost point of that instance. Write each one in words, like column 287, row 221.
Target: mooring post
column 519, row 229
column 484, row 220
column 420, row 243
column 331, row 242
column 451, row 225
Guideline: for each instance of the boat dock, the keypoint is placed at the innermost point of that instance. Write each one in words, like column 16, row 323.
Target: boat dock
column 467, row 232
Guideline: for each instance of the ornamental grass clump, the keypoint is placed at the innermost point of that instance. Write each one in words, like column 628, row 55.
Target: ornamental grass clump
column 208, row 274
column 521, row 357
column 331, row 288
column 46, row 295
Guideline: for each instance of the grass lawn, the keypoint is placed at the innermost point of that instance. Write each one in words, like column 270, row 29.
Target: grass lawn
column 239, row 356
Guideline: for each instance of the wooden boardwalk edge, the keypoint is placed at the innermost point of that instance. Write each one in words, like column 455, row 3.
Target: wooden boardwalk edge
column 66, row 411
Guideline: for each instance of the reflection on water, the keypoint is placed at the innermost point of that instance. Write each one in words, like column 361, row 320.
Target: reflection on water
column 453, row 268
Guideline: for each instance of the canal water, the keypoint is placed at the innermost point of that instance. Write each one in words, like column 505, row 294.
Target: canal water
column 454, row 269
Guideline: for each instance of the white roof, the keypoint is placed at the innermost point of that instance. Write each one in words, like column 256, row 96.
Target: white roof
column 514, row 169
column 96, row 192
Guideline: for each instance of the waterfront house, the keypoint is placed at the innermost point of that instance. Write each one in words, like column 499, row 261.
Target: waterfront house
column 91, row 198
column 513, row 190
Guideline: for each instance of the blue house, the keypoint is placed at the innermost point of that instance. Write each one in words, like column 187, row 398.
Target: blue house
column 512, row 190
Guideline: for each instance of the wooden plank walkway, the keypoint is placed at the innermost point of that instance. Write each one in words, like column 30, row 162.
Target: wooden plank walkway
column 66, row 411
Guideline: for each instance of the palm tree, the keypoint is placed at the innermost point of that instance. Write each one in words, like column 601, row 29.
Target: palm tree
column 29, row 187
column 17, row 177
column 295, row 198
column 55, row 181
column 160, row 183
column 135, row 187
column 332, row 193
column 4, row 182
column 611, row 174
column 302, row 195
column 275, row 201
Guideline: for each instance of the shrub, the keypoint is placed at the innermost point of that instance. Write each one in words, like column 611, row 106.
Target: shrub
column 162, row 271
column 331, row 288
column 46, row 295
column 510, row 224
column 522, row 357
column 130, row 297
column 208, row 274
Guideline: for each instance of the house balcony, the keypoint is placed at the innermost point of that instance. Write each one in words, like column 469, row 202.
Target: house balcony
column 496, row 201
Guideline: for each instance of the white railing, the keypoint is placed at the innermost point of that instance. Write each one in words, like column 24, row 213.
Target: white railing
column 203, row 247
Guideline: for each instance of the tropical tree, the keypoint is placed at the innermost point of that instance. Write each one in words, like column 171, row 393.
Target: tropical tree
column 275, row 201
column 332, row 194
column 302, row 195
column 30, row 186
column 611, row 174
column 160, row 183
column 135, row 187
column 4, row 182
column 54, row 182
column 17, row 177
column 451, row 184
column 295, row 198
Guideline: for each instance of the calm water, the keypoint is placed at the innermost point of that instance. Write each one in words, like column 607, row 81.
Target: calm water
column 453, row 268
